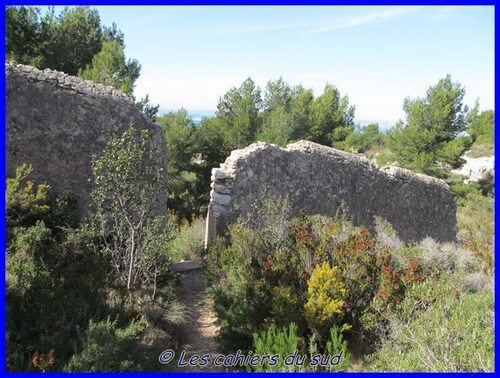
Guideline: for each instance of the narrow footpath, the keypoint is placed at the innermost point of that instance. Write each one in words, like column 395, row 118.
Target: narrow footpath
column 200, row 329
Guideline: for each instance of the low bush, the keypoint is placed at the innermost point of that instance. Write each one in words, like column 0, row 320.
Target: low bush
column 475, row 219
column 107, row 348
column 482, row 147
column 318, row 272
column 439, row 327
column 263, row 274
column 187, row 240
column 288, row 353
column 61, row 279
column 325, row 299
column 278, row 343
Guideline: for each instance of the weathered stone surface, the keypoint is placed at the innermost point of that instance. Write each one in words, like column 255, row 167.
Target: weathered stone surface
column 476, row 168
column 320, row 178
column 57, row 122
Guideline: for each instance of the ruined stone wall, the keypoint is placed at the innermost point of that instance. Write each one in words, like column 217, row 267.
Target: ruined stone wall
column 57, row 122
column 319, row 178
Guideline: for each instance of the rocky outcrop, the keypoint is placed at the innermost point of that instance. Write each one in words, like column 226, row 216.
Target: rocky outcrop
column 57, row 122
column 476, row 168
column 319, row 179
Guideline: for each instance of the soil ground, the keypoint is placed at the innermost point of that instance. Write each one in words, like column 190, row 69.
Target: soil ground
column 200, row 329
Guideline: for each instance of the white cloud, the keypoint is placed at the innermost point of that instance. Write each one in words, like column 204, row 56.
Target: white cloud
column 255, row 28
column 354, row 21
column 445, row 12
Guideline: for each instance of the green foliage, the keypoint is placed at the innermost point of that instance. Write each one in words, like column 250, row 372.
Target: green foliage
column 25, row 35
column 428, row 138
column 364, row 139
column 439, row 328
column 75, row 37
column 359, row 260
column 261, row 275
column 382, row 155
column 284, row 342
column 109, row 67
column 187, row 240
column 129, row 180
column 24, row 253
column 278, row 94
column 245, row 273
column 325, row 298
column 210, row 149
column 337, row 346
column 475, row 216
column 61, row 276
column 300, row 109
column 329, row 112
column 281, row 342
column 67, row 42
column 481, row 129
column 24, row 202
column 53, row 278
column 182, row 170
column 149, row 110
column 76, row 43
column 276, row 128
column 238, row 111
column 107, row 348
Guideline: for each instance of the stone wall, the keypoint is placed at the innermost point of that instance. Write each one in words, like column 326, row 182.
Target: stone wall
column 57, row 122
column 320, row 178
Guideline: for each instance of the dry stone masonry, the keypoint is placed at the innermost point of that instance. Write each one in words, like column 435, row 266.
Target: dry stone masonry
column 57, row 122
column 319, row 179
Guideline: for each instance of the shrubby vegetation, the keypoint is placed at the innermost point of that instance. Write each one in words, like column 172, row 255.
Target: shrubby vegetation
column 282, row 343
column 293, row 281
column 80, row 294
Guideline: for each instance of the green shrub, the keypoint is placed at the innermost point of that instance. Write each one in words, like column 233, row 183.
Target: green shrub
column 337, row 346
column 261, row 274
column 25, row 204
column 280, row 342
column 59, row 278
column 107, row 348
column 482, row 147
column 475, row 219
column 283, row 305
column 381, row 154
column 246, row 271
column 187, row 242
column 439, row 327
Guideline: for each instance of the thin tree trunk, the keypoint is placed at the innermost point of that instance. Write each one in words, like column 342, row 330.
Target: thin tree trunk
column 154, row 284
column 132, row 256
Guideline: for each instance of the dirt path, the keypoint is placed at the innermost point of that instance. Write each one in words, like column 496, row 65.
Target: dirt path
column 200, row 329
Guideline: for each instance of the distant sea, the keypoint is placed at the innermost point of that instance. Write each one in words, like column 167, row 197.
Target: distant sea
column 198, row 115
column 195, row 115
column 382, row 125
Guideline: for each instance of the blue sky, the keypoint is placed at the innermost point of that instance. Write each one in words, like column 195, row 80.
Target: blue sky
column 377, row 55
